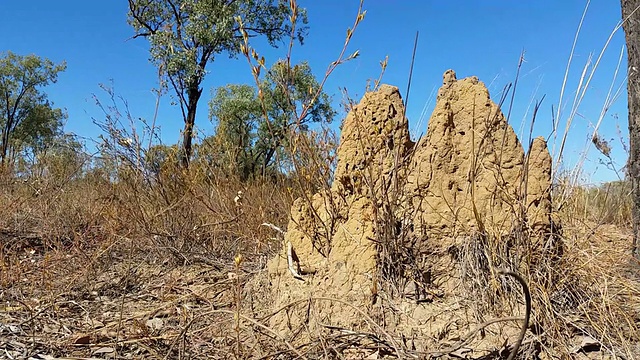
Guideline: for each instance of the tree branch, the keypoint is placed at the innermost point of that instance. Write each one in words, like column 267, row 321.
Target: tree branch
column 178, row 18
column 136, row 15
column 145, row 34
column 180, row 92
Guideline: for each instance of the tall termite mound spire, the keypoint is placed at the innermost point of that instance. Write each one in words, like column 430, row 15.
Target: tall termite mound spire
column 469, row 172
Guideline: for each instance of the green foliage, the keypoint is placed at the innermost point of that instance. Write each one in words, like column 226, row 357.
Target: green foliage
column 291, row 105
column 41, row 130
column 27, row 118
column 185, row 35
column 249, row 137
column 238, row 113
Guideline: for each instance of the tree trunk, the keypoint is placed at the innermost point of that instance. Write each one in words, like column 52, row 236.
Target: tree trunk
column 4, row 146
column 193, row 94
column 631, row 26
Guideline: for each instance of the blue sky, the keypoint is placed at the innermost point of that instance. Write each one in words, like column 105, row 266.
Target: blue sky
column 472, row 37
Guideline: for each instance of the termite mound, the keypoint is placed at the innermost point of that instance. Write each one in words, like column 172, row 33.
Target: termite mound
column 399, row 216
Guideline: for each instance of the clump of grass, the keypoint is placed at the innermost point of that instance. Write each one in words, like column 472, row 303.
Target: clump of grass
column 605, row 204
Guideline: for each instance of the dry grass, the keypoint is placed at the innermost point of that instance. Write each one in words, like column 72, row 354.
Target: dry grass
column 88, row 264
column 128, row 269
column 606, row 204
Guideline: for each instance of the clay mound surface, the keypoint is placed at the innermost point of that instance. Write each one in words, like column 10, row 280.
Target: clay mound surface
column 468, row 175
column 333, row 235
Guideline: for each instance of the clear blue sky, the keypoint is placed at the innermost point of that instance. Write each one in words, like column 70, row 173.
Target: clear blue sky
column 482, row 38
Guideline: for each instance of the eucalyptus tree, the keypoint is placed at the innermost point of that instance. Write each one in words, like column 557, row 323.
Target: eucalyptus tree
column 186, row 35
column 251, row 131
column 27, row 117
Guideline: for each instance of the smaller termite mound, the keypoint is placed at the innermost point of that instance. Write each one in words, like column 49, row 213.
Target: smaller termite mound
column 334, row 233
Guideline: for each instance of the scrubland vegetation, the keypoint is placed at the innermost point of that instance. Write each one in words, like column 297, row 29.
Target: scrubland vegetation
column 139, row 249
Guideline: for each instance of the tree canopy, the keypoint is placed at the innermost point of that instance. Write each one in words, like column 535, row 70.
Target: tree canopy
column 185, row 35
